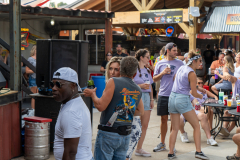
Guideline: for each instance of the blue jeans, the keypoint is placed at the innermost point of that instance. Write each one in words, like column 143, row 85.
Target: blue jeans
column 111, row 146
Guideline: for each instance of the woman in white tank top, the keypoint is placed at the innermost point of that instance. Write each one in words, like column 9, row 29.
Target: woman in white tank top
column 237, row 66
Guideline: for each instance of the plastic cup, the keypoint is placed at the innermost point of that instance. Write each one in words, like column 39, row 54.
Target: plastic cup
column 225, row 97
column 221, row 94
column 147, row 82
column 229, row 102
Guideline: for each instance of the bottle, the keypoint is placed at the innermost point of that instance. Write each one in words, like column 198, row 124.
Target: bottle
column 209, row 71
column 234, row 102
column 90, row 84
column 237, row 96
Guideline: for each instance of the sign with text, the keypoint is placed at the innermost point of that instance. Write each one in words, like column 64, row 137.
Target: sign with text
column 233, row 19
column 163, row 16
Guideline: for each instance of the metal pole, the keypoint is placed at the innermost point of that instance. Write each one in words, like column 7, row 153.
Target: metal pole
column 96, row 47
column 15, row 45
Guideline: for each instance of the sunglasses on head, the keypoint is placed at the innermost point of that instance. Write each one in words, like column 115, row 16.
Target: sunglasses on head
column 57, row 83
column 200, row 82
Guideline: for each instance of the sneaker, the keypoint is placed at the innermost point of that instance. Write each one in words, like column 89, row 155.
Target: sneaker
column 174, row 150
column 233, row 157
column 200, row 155
column 171, row 156
column 212, row 142
column 184, row 137
column 160, row 147
column 143, row 153
column 224, row 131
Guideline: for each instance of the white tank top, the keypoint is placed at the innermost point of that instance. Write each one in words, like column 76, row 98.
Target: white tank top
column 237, row 71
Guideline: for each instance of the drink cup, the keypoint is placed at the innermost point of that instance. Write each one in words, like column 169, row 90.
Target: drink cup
column 229, row 102
column 221, row 94
column 238, row 106
column 216, row 76
column 197, row 106
column 147, row 82
column 225, row 97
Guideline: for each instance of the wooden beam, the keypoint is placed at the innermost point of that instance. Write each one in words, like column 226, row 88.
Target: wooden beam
column 151, row 4
column 126, row 31
column 144, row 4
column 200, row 3
column 129, row 8
column 108, row 5
column 137, row 4
column 127, row 18
column 118, row 3
column 101, row 6
column 184, row 27
column 118, row 8
column 217, row 0
column 93, row 4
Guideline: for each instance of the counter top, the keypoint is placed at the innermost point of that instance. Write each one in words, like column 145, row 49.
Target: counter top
column 8, row 96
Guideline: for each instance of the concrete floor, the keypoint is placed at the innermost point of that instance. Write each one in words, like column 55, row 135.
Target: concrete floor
column 185, row 151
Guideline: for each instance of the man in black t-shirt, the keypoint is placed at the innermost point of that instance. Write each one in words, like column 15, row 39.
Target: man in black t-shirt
column 119, row 52
column 208, row 56
column 217, row 51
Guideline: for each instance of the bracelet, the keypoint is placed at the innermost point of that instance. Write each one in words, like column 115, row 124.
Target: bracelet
column 152, row 99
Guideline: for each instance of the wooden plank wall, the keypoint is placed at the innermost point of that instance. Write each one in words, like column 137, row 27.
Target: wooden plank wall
column 10, row 135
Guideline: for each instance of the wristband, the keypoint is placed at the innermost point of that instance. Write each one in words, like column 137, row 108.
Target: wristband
column 152, row 99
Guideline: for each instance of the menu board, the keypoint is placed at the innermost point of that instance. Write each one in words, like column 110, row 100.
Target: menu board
column 163, row 16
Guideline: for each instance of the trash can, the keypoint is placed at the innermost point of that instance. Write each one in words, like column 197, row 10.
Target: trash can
column 99, row 82
column 37, row 138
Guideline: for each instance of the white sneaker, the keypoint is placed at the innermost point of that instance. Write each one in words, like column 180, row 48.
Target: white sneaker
column 184, row 137
column 143, row 153
column 212, row 142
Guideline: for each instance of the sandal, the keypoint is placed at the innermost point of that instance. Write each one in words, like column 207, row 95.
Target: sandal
column 233, row 157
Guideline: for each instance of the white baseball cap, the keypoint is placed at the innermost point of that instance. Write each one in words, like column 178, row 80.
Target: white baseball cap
column 67, row 74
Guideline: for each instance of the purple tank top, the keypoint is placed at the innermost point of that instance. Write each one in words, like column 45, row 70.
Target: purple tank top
column 181, row 84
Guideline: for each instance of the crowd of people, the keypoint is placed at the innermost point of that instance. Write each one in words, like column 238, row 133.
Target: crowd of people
column 127, row 102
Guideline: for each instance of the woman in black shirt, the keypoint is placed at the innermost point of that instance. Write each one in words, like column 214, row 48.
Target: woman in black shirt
column 104, row 64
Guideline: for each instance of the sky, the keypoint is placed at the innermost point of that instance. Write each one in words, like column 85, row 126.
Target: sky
column 58, row 1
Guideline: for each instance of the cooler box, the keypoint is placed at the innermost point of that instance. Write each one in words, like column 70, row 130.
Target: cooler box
column 99, row 82
column 94, row 74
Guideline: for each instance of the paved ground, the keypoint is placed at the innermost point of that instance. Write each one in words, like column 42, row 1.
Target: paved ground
column 185, row 151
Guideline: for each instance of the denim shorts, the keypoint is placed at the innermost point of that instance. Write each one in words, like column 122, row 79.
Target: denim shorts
column 146, row 100
column 111, row 146
column 179, row 103
column 32, row 82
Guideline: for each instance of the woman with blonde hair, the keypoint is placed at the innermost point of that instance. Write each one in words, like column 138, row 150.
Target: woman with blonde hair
column 237, row 66
column 224, row 84
column 32, row 75
column 113, row 68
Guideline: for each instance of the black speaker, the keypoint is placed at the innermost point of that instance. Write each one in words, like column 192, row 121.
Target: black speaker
column 53, row 54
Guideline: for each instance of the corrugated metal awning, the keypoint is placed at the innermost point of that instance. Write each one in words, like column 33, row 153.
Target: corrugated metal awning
column 217, row 17
column 81, row 13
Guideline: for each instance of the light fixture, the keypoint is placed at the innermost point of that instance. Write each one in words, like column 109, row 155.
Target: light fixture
column 52, row 22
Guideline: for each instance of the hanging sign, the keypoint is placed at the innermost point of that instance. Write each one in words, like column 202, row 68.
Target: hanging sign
column 163, row 16
column 233, row 19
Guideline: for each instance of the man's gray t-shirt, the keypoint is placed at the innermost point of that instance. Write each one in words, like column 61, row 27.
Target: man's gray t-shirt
column 33, row 62
column 126, row 97
column 167, row 80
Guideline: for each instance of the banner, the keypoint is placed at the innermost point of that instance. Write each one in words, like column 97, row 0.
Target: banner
column 163, row 16
column 233, row 19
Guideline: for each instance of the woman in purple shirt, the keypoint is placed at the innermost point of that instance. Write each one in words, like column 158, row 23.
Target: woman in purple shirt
column 179, row 103
column 144, row 80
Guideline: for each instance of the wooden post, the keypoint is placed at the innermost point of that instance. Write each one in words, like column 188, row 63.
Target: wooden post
column 108, row 29
column 193, row 29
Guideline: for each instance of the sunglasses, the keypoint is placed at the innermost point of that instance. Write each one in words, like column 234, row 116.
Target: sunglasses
column 109, row 55
column 57, row 83
column 200, row 82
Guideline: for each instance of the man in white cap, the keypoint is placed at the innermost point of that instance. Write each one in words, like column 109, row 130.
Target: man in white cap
column 73, row 135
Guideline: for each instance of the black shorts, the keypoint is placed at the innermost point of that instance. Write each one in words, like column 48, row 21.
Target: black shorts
column 162, row 106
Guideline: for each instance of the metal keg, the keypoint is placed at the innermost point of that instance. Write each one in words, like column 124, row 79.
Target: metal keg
column 37, row 140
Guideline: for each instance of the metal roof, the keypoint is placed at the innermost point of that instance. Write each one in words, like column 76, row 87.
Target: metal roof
column 73, row 4
column 64, row 12
column 216, row 19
